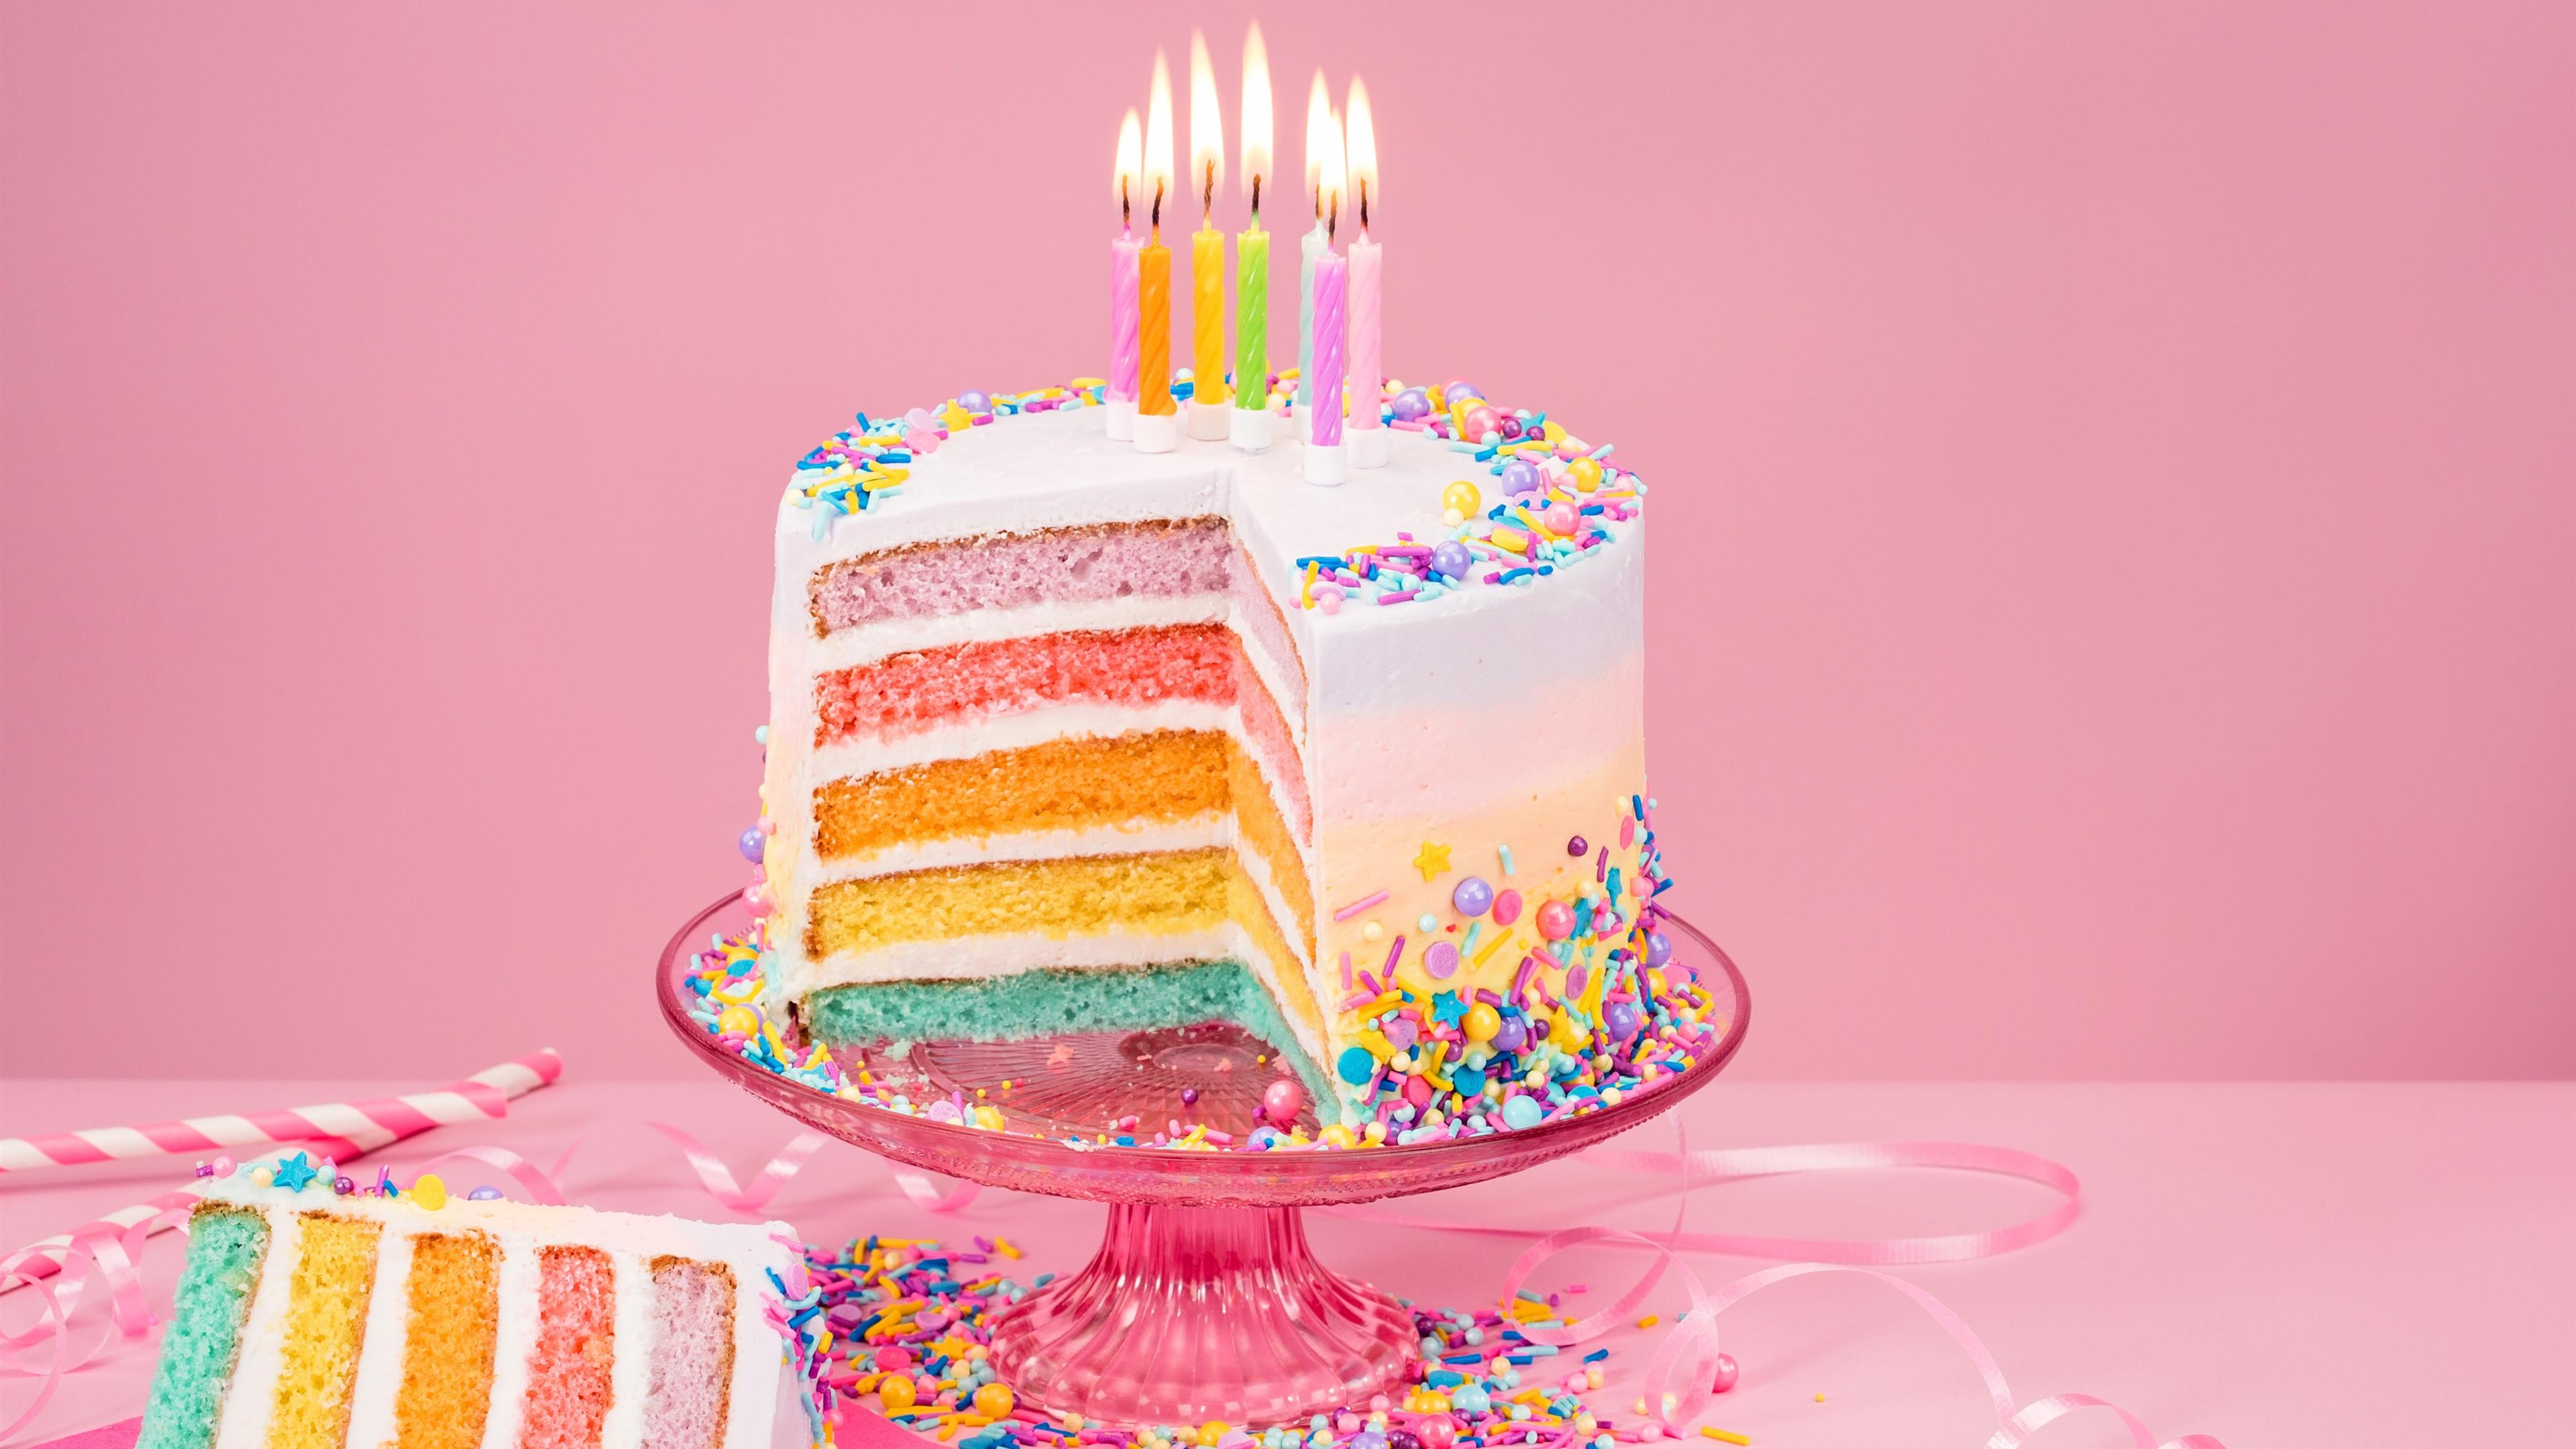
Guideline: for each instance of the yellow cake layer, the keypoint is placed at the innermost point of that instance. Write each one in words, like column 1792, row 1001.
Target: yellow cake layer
column 326, row 1319
column 1158, row 893
column 455, row 1306
column 1151, row 777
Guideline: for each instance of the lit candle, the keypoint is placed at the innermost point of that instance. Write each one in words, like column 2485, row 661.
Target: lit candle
column 1324, row 460
column 1207, row 253
column 1120, row 394
column 1250, row 424
column 1368, row 372
column 1319, row 132
column 1158, row 426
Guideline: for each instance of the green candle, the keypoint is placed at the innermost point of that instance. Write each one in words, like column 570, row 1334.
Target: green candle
column 1252, row 317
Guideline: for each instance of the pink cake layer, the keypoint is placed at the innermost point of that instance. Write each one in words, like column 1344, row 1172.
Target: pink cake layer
column 1159, row 558
column 692, row 1361
column 961, row 684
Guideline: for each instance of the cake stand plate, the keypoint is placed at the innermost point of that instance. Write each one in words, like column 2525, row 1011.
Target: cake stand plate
column 1204, row 1301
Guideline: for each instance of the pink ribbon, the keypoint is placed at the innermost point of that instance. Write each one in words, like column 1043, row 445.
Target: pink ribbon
column 1736, row 1164
column 109, row 1253
column 1680, row 1378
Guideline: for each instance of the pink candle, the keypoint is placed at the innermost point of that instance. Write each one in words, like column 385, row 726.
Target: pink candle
column 1332, row 346
column 1368, row 373
column 1124, row 318
column 1125, row 303
column 1368, row 376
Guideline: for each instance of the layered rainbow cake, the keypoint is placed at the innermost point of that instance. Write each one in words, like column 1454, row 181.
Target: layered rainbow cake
column 309, row 1319
column 1064, row 737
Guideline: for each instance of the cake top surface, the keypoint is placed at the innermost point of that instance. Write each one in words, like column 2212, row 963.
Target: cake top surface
column 1533, row 502
column 767, row 1244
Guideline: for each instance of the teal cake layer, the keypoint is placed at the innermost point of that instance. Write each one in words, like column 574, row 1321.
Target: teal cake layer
column 1058, row 1003
column 225, row 1248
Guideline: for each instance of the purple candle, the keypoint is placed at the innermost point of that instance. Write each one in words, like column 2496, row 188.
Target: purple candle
column 1332, row 348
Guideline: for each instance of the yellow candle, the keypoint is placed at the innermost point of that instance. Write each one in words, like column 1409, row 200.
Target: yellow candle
column 1154, row 367
column 1207, row 314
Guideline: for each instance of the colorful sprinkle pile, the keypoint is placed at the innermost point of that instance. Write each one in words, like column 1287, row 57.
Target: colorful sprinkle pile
column 1454, row 1063
column 1557, row 495
column 906, row 1327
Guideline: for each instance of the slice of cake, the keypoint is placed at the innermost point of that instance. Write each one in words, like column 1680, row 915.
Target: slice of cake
column 1066, row 737
column 311, row 1319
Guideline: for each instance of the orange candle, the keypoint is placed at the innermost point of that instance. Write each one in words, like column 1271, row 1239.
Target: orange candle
column 1154, row 270
column 1154, row 368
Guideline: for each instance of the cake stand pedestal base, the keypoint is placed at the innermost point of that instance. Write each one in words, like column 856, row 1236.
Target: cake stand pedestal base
column 1189, row 1314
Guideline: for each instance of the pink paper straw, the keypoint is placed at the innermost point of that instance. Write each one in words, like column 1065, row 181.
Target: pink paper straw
column 479, row 1097
column 487, row 1094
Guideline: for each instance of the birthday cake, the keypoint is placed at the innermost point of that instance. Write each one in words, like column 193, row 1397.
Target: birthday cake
column 314, row 1313
column 1065, row 736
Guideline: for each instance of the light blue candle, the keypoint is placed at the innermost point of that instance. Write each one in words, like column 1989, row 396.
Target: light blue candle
column 1309, row 246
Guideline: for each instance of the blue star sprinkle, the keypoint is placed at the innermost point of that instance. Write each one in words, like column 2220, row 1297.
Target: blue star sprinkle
column 295, row 1174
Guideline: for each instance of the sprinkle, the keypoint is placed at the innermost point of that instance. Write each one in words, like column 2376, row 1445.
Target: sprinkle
column 1723, row 1437
column 1362, row 904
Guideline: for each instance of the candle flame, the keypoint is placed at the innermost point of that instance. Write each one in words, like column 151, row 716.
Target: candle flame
column 1207, row 127
column 1256, row 114
column 1321, row 134
column 1130, row 177
column 1363, row 149
column 1335, row 182
column 1158, row 138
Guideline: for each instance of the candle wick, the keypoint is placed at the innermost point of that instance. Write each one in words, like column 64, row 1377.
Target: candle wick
column 1333, row 219
column 1207, row 196
column 1126, row 207
column 1158, row 211
column 1256, row 201
column 1363, row 207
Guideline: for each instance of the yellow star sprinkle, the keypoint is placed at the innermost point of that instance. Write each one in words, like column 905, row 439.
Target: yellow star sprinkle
column 1432, row 861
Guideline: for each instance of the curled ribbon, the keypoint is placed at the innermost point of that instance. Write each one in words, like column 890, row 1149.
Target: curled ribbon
column 104, row 1252
column 1680, row 1378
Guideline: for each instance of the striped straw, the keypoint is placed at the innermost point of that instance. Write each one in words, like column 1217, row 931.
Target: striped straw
column 484, row 1095
column 492, row 1088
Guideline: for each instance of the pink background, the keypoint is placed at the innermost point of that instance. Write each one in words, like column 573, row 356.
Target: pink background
column 2117, row 486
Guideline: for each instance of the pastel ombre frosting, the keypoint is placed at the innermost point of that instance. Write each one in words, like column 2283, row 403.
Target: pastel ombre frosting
column 1057, row 725
column 309, row 1320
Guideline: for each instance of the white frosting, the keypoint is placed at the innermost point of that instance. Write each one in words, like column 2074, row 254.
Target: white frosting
column 251, row 1400
column 371, row 1399
column 630, row 1372
column 522, row 1231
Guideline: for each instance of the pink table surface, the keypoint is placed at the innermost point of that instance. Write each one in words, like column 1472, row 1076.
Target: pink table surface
column 2274, row 1264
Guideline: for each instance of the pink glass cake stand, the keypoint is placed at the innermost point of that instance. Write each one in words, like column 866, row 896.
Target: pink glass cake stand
column 1204, row 1301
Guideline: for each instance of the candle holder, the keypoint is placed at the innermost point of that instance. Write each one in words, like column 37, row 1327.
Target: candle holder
column 1208, row 421
column 1158, row 432
column 1252, row 429
column 1122, row 419
column 1327, row 464
column 1205, row 1300
column 1366, row 447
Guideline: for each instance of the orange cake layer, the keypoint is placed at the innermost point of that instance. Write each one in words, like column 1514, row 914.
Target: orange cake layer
column 1152, row 777
column 448, row 1341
